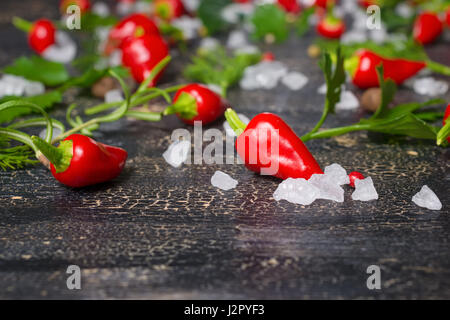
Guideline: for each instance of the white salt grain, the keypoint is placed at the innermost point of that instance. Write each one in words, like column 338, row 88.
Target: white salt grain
column 177, row 153
column 223, row 181
column 430, row 87
column 426, row 198
column 114, row 95
column 364, row 190
column 294, row 80
column 348, row 101
column 337, row 173
column 298, row 191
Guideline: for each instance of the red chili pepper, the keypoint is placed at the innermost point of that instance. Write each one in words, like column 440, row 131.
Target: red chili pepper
column 447, row 17
column 427, row 27
column 84, row 5
column 446, row 116
column 142, row 53
column 331, row 27
column 290, row 6
column 368, row 3
column 128, row 27
column 293, row 159
column 362, row 68
column 268, row 56
column 169, row 9
column 41, row 34
column 80, row 161
column 324, row 3
column 355, row 175
column 242, row 1
column 208, row 105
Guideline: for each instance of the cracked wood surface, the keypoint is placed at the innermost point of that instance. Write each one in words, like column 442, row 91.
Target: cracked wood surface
column 164, row 233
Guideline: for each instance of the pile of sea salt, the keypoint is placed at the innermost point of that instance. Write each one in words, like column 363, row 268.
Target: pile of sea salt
column 267, row 75
column 223, row 181
column 11, row 85
column 177, row 153
column 430, row 87
column 326, row 186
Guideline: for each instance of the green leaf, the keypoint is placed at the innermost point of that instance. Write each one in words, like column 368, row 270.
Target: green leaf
column 443, row 134
column 270, row 19
column 334, row 80
column 45, row 100
column 388, row 90
column 90, row 21
column 210, row 12
column 38, row 69
column 406, row 124
column 302, row 24
column 216, row 67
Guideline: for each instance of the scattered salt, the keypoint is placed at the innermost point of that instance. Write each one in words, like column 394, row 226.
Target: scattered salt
column 264, row 75
column 348, row 101
column 189, row 26
column 329, row 188
column 237, row 39
column 101, row 9
column 114, row 95
column 294, row 80
column 209, row 44
column 64, row 50
column 430, row 87
column 177, row 153
column 298, row 191
column 337, row 174
column 223, row 181
column 364, row 190
column 234, row 12
column 426, row 198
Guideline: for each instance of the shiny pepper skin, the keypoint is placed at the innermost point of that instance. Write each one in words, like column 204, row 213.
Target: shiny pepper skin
column 365, row 75
column 446, row 118
column 355, row 175
column 41, row 35
column 290, row 6
column 143, row 53
column 128, row 27
column 293, row 159
column 324, row 3
column 210, row 106
column 92, row 162
column 331, row 29
column 169, row 9
column 427, row 27
column 84, row 5
column 447, row 17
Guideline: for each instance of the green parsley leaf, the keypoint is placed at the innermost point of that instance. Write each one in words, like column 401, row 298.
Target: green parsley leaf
column 270, row 19
column 39, row 69
column 210, row 12
column 388, row 90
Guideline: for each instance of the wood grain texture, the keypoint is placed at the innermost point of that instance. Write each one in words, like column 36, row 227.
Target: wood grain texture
column 163, row 233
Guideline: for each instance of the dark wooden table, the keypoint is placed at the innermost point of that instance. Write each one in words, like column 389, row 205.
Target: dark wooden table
column 162, row 233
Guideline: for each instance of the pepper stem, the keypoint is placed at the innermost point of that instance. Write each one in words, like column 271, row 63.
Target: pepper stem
column 60, row 156
column 22, row 24
column 185, row 107
column 235, row 123
column 351, row 64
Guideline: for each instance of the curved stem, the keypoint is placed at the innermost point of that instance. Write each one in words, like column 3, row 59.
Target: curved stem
column 147, row 116
column 155, row 71
column 22, row 24
column 37, row 122
column 136, row 101
column 334, row 132
column 25, row 104
column 438, row 67
column 235, row 123
column 19, row 136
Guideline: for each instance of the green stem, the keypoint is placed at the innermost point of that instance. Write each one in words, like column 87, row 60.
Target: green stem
column 155, row 71
column 22, row 24
column 443, row 133
column 37, row 122
column 147, row 116
column 60, row 156
column 19, row 136
column 438, row 67
column 235, row 123
column 334, row 132
column 134, row 102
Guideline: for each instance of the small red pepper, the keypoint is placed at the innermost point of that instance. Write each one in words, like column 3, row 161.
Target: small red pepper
column 142, row 53
column 293, row 159
column 208, row 105
column 84, row 5
column 80, row 161
column 267, row 56
column 128, row 27
column 427, row 27
column 325, row 3
column 362, row 68
column 169, row 9
column 447, row 17
column 355, row 175
column 290, row 6
column 41, row 34
column 445, row 119
column 331, row 27
column 367, row 3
